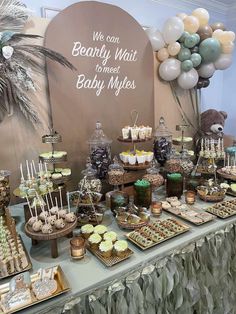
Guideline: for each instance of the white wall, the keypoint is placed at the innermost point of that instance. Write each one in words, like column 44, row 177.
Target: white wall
column 221, row 94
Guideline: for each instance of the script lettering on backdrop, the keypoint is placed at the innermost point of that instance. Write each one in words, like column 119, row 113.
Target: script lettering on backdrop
column 115, row 80
column 114, row 62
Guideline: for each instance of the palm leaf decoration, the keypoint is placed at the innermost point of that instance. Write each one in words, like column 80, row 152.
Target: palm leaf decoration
column 19, row 61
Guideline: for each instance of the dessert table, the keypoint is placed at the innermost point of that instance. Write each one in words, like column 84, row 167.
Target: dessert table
column 192, row 273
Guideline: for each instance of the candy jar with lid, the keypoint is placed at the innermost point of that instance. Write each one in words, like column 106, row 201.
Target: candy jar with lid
column 162, row 142
column 89, row 186
column 186, row 163
column 116, row 173
column 153, row 176
column 174, row 163
column 100, row 151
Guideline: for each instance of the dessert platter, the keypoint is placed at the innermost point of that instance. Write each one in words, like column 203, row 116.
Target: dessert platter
column 156, row 232
column 51, row 223
column 34, row 181
column 24, row 291
column 87, row 198
column 132, row 217
column 224, row 209
column 105, row 245
column 189, row 213
column 137, row 159
column 212, row 191
column 58, row 175
column 14, row 258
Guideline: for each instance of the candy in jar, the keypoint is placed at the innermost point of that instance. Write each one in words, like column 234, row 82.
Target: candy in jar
column 162, row 143
column 100, row 151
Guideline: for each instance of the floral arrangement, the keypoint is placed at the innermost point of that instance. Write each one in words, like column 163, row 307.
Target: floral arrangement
column 19, row 61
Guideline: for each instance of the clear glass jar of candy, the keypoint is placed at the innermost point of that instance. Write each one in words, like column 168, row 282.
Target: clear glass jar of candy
column 4, row 190
column 153, row 176
column 162, row 142
column 100, row 151
column 116, row 173
column 174, row 184
column 89, row 186
column 143, row 193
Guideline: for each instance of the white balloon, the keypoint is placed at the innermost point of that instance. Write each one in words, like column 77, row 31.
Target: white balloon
column 182, row 15
column 173, row 29
column 223, row 62
column 188, row 80
column 206, row 70
column 155, row 38
column 170, row 69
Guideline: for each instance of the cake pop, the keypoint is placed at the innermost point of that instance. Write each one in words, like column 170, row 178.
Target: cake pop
column 62, row 212
column 37, row 226
column 51, row 218
column 47, row 228
column 70, row 217
column 59, row 223
column 32, row 219
column 54, row 209
column 43, row 215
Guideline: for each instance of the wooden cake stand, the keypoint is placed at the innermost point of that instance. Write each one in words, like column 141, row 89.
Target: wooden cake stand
column 57, row 233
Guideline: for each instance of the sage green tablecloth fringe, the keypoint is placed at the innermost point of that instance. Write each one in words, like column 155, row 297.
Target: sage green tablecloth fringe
column 199, row 278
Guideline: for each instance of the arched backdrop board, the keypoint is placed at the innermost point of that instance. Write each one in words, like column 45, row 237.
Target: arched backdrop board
column 123, row 52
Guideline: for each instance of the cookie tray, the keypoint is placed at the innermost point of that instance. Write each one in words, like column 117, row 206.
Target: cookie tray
column 62, row 287
column 186, row 228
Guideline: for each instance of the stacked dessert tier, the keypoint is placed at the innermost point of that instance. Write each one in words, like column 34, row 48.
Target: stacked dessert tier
column 58, row 175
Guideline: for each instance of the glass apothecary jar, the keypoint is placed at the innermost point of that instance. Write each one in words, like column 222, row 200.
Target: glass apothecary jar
column 100, row 151
column 162, row 142
column 89, row 186
column 118, row 199
column 173, row 165
column 143, row 193
column 4, row 190
column 116, row 173
column 153, row 176
column 174, row 184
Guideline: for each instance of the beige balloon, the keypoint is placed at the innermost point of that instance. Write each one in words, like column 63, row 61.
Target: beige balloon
column 217, row 34
column 226, row 37
column 163, row 54
column 174, row 49
column 231, row 35
column 202, row 15
column 228, row 48
column 182, row 15
column 191, row 24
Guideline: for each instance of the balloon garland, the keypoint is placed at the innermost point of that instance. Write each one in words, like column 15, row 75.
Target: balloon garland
column 190, row 50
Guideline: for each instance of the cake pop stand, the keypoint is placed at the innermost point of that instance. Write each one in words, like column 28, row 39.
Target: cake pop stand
column 56, row 234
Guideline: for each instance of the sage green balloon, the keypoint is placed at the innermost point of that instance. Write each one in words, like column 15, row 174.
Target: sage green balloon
column 184, row 35
column 190, row 41
column 184, row 54
column 186, row 65
column 210, row 50
column 196, row 59
column 197, row 38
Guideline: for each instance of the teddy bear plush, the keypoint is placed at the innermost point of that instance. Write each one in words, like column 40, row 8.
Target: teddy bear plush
column 212, row 124
column 212, row 127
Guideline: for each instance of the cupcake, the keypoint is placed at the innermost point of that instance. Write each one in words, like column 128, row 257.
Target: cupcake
column 132, row 159
column 126, row 132
column 87, row 230
column 94, row 241
column 105, row 248
column 148, row 132
column 121, row 248
column 110, row 236
column 134, row 133
column 140, row 158
column 142, row 132
column 100, row 229
column 125, row 156
column 149, row 156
